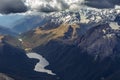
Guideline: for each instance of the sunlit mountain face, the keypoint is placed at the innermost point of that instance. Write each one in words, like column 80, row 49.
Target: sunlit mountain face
column 59, row 40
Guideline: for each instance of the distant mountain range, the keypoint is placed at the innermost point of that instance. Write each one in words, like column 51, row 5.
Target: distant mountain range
column 27, row 23
column 7, row 31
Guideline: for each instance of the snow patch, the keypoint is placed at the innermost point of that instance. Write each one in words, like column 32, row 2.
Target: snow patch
column 104, row 31
column 20, row 40
column 40, row 66
column 108, row 36
column 114, row 26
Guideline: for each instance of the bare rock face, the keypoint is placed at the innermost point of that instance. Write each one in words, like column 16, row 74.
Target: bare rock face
column 5, row 77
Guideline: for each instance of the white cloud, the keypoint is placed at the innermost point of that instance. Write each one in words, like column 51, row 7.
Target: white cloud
column 18, row 6
column 117, row 7
column 58, row 5
column 53, row 5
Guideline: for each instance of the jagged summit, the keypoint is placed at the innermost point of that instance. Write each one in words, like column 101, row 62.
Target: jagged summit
column 84, row 16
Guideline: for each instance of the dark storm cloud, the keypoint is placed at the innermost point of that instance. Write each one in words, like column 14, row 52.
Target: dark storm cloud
column 102, row 3
column 12, row 6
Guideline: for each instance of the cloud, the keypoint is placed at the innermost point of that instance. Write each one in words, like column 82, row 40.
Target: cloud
column 59, row 5
column 18, row 6
column 53, row 5
column 12, row 6
column 102, row 3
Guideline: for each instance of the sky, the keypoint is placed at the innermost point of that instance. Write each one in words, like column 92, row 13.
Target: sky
column 9, row 8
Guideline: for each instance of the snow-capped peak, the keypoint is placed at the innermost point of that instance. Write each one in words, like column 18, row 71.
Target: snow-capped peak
column 84, row 16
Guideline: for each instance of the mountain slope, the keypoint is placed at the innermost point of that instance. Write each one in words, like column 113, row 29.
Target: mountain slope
column 40, row 36
column 95, row 56
column 16, row 64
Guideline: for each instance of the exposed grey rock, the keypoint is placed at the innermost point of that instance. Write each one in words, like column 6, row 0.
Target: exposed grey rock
column 5, row 77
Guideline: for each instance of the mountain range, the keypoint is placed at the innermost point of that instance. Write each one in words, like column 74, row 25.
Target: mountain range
column 80, row 45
